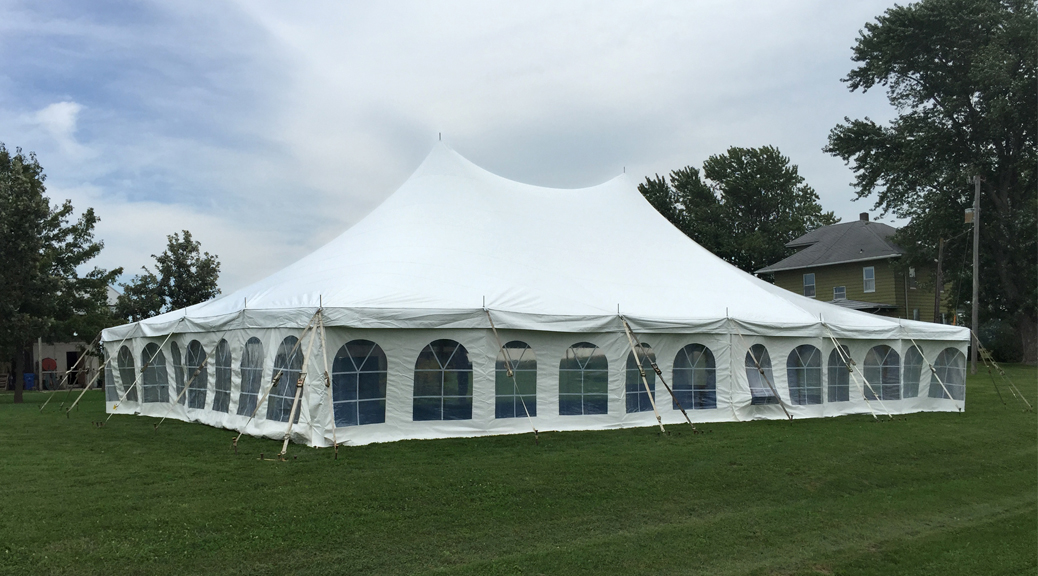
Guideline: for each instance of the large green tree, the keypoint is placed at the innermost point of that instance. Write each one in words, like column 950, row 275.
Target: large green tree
column 747, row 205
column 185, row 276
column 962, row 77
column 42, row 294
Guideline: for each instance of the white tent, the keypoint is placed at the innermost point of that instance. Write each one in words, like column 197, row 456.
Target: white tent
column 407, row 295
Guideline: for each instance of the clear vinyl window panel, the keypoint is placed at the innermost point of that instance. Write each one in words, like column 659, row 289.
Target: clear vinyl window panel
column 839, row 388
column 288, row 362
column 178, row 371
column 154, row 381
column 443, row 383
column 804, row 375
column 638, row 399
column 111, row 392
column 912, row 373
column 950, row 367
column 515, row 397
column 695, row 378
column 359, row 384
column 127, row 374
column 251, row 376
column 222, row 382
column 758, row 372
column 882, row 374
column 198, row 370
column 583, row 381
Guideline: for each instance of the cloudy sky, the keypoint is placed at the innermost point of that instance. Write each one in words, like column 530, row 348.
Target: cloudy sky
column 266, row 128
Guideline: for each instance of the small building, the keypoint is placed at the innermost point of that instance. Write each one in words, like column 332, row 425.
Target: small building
column 856, row 265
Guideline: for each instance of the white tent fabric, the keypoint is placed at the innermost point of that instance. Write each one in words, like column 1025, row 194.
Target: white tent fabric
column 553, row 268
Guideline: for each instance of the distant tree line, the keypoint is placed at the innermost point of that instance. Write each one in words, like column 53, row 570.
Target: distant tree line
column 44, row 296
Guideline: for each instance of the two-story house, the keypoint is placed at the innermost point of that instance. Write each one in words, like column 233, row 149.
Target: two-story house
column 854, row 265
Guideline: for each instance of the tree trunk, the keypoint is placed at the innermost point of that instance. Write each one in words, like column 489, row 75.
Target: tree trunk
column 19, row 369
column 1027, row 330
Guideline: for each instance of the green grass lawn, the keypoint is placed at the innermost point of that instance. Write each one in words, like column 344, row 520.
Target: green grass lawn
column 926, row 494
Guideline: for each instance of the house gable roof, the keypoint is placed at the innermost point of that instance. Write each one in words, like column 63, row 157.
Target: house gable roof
column 856, row 241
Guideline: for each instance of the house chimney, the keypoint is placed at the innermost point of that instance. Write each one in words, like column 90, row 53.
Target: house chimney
column 864, row 216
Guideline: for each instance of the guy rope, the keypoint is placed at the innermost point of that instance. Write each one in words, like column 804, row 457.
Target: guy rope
column 852, row 366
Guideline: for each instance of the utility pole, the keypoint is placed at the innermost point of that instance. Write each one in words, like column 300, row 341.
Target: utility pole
column 939, row 284
column 975, row 326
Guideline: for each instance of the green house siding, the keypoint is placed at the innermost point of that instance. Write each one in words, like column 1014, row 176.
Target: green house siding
column 890, row 286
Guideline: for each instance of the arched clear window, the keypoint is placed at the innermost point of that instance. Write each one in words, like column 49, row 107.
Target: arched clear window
column 804, row 375
column 196, row 367
column 111, row 392
column 127, row 374
column 154, row 382
column 913, row 371
column 638, row 399
column 512, row 395
column 950, row 367
column 761, row 379
column 695, row 378
column 583, row 381
column 839, row 375
column 289, row 364
column 222, row 384
column 359, row 384
column 882, row 374
column 178, row 371
column 251, row 376
column 443, row 382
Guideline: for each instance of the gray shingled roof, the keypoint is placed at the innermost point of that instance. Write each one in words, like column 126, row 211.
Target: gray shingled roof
column 862, row 305
column 837, row 244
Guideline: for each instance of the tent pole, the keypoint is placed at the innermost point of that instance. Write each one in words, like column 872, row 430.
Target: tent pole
column 299, row 389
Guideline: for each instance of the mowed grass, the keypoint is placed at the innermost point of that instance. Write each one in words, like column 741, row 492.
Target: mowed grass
column 927, row 494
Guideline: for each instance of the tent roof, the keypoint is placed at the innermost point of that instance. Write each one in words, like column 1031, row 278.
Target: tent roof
column 455, row 238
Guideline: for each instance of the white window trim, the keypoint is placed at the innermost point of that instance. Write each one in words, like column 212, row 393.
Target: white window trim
column 865, row 279
column 844, row 297
column 813, row 285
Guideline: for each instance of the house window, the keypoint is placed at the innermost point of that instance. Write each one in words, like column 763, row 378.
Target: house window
column 809, row 285
column 915, row 313
column 912, row 284
column 839, row 292
column 869, row 274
